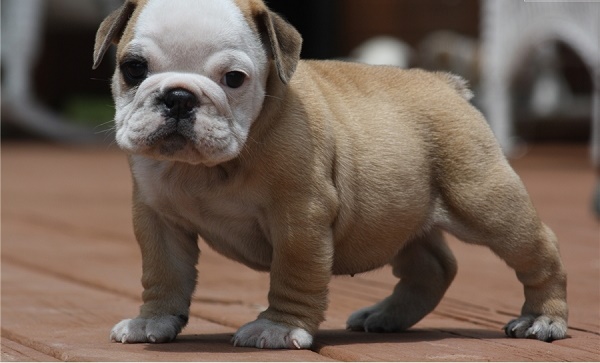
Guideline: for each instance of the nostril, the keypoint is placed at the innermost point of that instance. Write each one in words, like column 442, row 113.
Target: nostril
column 180, row 102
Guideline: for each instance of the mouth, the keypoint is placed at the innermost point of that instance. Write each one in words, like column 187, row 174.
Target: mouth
column 192, row 140
column 171, row 137
column 172, row 143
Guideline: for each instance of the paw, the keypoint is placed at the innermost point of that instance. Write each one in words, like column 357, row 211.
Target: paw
column 379, row 318
column 161, row 329
column 264, row 333
column 542, row 328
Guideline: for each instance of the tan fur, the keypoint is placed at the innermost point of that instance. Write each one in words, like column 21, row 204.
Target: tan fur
column 350, row 167
column 114, row 28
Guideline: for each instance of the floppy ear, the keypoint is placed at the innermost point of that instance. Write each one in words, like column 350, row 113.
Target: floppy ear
column 285, row 42
column 111, row 30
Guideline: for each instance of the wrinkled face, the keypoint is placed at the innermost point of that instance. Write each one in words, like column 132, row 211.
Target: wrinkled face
column 190, row 82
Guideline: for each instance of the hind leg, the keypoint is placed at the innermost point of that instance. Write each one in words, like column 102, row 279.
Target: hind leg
column 426, row 268
column 498, row 213
column 536, row 262
column 544, row 313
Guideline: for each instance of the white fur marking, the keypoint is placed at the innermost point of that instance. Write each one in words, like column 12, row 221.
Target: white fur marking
column 190, row 29
column 192, row 46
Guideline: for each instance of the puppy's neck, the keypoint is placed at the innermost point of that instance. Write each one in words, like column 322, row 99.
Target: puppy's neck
column 212, row 176
column 276, row 98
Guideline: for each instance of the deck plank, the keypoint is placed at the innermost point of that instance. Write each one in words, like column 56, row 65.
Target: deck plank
column 15, row 352
column 68, row 321
column 67, row 223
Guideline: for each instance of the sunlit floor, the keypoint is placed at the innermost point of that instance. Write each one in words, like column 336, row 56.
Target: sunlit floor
column 71, row 269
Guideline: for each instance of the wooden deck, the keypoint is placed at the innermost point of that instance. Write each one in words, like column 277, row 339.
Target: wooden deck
column 71, row 269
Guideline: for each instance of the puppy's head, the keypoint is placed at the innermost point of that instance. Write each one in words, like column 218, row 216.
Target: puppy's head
column 191, row 75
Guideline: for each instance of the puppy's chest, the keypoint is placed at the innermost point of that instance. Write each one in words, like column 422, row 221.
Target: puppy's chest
column 208, row 204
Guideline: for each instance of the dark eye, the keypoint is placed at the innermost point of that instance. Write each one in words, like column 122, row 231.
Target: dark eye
column 234, row 79
column 134, row 71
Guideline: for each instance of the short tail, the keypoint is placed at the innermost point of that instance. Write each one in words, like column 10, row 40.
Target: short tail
column 460, row 84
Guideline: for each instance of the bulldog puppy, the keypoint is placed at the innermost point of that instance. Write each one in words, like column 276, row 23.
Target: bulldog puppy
column 307, row 169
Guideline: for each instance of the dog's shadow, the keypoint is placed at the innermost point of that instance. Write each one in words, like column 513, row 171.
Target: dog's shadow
column 221, row 343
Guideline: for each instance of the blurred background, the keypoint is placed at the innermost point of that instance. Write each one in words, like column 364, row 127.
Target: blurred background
column 535, row 83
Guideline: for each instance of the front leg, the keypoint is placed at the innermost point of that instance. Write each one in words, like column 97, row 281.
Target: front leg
column 300, row 274
column 169, row 256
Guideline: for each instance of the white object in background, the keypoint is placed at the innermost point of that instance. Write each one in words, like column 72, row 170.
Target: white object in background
column 384, row 50
column 23, row 23
column 511, row 29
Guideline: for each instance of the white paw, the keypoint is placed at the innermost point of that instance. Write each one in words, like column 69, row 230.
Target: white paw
column 264, row 333
column 542, row 328
column 139, row 330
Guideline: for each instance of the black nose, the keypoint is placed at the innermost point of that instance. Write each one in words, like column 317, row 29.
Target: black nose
column 180, row 103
